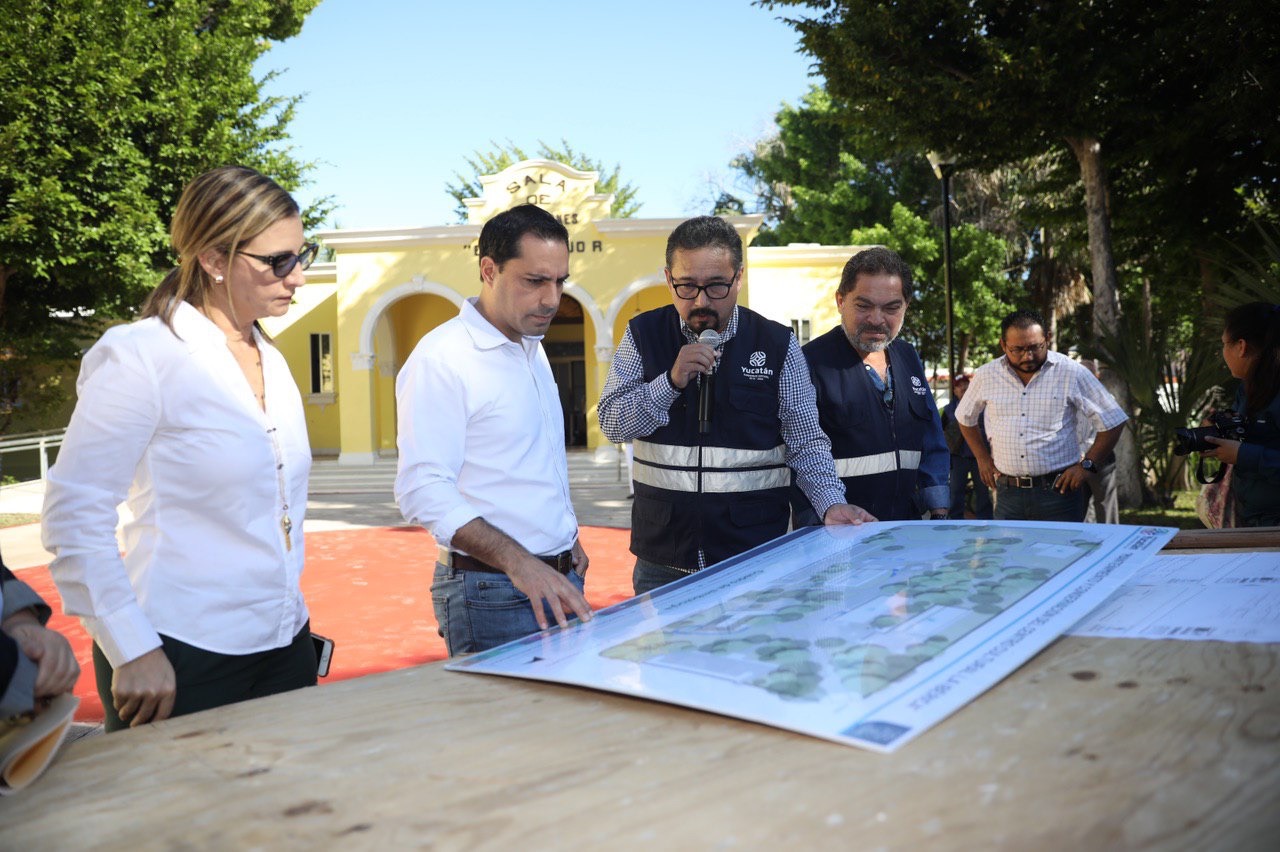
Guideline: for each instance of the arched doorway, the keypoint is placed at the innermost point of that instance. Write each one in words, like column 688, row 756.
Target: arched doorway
column 398, row 330
column 565, row 345
column 655, row 295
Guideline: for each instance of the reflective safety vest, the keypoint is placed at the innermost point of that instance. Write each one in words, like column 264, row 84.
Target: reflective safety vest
column 877, row 448
column 727, row 491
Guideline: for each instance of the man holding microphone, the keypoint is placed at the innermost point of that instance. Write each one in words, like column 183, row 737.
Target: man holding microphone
column 720, row 407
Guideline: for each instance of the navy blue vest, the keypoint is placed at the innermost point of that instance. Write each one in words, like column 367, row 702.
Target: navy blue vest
column 727, row 491
column 877, row 448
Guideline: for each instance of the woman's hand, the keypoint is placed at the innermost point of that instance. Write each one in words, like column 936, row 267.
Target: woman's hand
column 143, row 689
column 1227, row 450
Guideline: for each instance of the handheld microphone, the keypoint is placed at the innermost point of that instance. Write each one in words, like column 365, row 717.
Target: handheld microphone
column 711, row 337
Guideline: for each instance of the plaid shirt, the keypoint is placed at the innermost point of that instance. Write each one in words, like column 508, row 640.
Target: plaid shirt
column 631, row 408
column 1032, row 427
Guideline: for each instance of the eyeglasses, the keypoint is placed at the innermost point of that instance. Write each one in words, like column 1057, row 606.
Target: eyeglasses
column 282, row 264
column 1027, row 350
column 714, row 290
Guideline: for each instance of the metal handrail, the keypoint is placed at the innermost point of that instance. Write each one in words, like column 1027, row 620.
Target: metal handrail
column 41, row 441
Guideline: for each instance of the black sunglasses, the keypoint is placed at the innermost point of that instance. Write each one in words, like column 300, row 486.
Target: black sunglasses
column 282, row 264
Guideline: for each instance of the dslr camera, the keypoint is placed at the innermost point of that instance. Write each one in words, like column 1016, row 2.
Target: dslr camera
column 1225, row 424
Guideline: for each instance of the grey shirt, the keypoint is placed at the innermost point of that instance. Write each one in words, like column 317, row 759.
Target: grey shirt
column 17, row 690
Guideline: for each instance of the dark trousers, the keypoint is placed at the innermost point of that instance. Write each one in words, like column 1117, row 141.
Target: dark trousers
column 206, row 679
column 1041, row 503
column 648, row 576
column 964, row 469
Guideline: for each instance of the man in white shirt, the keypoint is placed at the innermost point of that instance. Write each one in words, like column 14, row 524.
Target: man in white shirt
column 482, row 461
column 1034, row 399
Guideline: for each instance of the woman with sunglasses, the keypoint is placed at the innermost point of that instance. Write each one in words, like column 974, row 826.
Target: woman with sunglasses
column 191, row 415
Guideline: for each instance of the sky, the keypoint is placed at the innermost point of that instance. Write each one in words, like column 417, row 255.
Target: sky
column 397, row 94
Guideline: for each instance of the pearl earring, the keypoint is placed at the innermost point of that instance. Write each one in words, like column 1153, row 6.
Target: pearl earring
column 217, row 279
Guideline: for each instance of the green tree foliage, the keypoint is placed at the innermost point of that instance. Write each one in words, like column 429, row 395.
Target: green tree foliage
column 1169, row 112
column 502, row 156
column 816, row 181
column 106, row 111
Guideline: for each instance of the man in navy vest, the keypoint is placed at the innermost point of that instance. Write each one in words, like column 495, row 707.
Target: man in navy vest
column 712, row 481
column 874, row 400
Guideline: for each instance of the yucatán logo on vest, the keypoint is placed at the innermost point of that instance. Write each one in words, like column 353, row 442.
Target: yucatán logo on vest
column 757, row 372
column 918, row 386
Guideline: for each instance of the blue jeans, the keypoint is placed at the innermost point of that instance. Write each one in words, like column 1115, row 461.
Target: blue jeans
column 1042, row 503
column 477, row 611
column 648, row 576
column 964, row 469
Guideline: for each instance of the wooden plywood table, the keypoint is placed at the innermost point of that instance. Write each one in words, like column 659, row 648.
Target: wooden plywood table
column 1095, row 744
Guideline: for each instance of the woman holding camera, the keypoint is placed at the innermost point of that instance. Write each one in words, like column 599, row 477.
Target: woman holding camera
column 192, row 415
column 1251, row 348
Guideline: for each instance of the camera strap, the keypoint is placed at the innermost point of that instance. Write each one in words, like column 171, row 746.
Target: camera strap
column 1217, row 477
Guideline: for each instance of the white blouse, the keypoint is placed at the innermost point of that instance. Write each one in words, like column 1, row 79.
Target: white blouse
column 169, row 422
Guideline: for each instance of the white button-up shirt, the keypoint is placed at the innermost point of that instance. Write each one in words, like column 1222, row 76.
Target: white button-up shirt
column 1032, row 427
column 481, row 435
column 169, row 421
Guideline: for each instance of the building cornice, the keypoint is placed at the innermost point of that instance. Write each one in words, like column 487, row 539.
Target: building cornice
column 322, row 273
column 800, row 254
column 639, row 228
column 381, row 239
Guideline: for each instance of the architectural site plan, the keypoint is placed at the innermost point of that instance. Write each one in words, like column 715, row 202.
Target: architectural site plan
column 863, row 635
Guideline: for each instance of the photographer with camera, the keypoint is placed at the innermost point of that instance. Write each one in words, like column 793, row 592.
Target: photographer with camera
column 1251, row 348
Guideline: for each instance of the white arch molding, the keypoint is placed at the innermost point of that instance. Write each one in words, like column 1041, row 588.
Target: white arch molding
column 583, row 298
column 615, row 307
column 364, row 358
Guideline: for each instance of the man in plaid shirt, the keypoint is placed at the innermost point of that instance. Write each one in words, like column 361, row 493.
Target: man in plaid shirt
column 1033, row 399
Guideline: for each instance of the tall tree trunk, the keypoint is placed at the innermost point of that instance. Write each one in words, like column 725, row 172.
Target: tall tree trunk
column 1146, row 308
column 962, row 352
column 1106, row 304
column 5, row 272
column 1208, row 284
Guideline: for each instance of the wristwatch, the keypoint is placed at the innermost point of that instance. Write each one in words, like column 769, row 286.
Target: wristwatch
column 1088, row 465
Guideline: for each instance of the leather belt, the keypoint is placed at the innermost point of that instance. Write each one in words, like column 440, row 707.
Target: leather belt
column 1040, row 481
column 562, row 562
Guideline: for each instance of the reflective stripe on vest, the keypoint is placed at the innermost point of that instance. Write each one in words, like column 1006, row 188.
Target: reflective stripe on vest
column 674, row 455
column 877, row 463
column 713, row 482
column 725, row 470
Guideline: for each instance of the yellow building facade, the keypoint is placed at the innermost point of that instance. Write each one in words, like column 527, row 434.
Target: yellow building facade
column 358, row 317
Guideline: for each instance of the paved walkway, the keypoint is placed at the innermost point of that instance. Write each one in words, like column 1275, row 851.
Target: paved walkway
column 342, row 497
column 345, row 498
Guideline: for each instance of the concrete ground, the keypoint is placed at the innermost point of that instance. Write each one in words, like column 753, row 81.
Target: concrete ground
column 353, row 497
column 346, row 498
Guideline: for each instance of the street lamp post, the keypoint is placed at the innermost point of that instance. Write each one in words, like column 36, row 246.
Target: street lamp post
column 944, row 166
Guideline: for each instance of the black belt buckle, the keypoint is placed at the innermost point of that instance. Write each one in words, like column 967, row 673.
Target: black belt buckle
column 562, row 562
column 1025, row 481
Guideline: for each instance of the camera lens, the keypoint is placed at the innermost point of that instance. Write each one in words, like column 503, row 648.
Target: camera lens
column 1193, row 440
